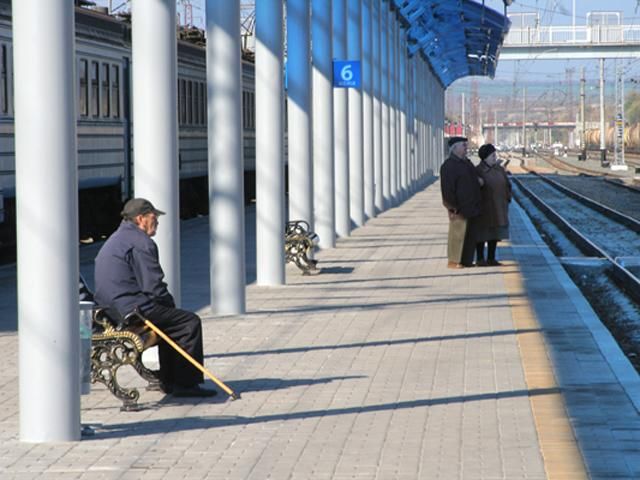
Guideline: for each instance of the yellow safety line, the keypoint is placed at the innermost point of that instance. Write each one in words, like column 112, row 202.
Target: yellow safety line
column 560, row 452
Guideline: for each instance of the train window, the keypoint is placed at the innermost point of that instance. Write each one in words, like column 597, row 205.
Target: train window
column 189, row 102
column 196, row 103
column 203, row 103
column 4, row 80
column 181, row 102
column 105, row 94
column 115, row 91
column 95, row 94
column 83, row 103
column 252, row 111
column 245, row 109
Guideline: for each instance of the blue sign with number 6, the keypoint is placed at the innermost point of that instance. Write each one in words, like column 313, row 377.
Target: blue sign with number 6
column 346, row 74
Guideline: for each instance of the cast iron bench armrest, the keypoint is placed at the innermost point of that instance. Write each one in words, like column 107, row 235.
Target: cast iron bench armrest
column 299, row 242
column 115, row 344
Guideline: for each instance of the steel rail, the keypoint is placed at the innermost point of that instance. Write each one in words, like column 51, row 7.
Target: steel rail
column 619, row 217
column 625, row 279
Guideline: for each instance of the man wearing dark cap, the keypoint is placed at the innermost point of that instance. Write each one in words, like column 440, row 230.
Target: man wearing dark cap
column 460, row 186
column 129, row 277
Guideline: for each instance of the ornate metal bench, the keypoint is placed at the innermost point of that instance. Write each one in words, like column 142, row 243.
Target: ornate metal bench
column 299, row 242
column 114, row 345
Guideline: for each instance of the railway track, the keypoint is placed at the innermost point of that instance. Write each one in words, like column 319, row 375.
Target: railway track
column 598, row 230
column 611, row 193
column 567, row 166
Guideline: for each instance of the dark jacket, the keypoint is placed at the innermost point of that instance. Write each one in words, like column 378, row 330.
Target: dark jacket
column 460, row 187
column 496, row 195
column 128, row 274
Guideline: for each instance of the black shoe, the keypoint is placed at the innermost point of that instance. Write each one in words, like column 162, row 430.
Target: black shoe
column 193, row 391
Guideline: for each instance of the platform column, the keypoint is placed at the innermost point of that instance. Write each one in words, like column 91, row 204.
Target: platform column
column 270, row 217
column 356, row 141
column 377, row 106
column 155, row 130
column 299, row 93
column 341, row 124
column 226, row 172
column 323, row 166
column 386, row 133
column 393, row 111
column 367, row 109
column 46, row 221
column 404, row 166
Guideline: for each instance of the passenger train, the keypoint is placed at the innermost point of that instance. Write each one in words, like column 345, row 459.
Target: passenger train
column 104, row 122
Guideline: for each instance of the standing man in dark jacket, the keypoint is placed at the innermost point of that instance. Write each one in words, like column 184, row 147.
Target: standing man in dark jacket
column 461, row 197
column 128, row 276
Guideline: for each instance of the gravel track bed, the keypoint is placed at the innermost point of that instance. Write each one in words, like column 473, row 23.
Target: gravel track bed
column 618, row 198
column 612, row 237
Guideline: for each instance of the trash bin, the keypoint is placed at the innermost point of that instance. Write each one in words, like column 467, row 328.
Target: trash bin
column 86, row 313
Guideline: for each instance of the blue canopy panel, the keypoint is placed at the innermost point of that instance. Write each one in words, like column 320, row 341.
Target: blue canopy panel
column 457, row 37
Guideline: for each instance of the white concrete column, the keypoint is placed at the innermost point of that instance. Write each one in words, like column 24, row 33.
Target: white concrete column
column 393, row 111
column 299, row 94
column 367, row 108
column 386, row 110
column 356, row 141
column 46, row 221
column 404, row 166
column 412, row 124
column 341, row 124
column 377, row 105
column 226, row 172
column 155, row 129
column 323, row 165
column 270, row 217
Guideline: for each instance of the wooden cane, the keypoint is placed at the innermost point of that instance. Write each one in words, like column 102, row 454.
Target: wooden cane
column 193, row 361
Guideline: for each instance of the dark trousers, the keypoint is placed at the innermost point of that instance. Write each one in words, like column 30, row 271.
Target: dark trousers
column 184, row 328
column 469, row 246
column 491, row 250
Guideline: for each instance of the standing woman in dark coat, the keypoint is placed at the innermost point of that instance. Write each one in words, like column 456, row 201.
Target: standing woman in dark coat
column 460, row 186
column 493, row 223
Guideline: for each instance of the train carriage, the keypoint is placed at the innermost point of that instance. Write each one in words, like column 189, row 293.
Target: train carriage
column 105, row 123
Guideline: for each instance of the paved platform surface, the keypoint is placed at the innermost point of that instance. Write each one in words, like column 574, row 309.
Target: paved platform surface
column 386, row 365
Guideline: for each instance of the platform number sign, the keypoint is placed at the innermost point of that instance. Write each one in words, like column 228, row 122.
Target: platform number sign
column 346, row 74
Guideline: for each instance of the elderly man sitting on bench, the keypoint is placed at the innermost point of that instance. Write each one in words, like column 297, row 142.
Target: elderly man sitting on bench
column 129, row 278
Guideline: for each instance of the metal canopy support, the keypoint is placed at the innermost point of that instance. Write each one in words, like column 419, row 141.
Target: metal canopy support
column 226, row 172
column 341, row 124
column 155, row 130
column 323, row 166
column 299, row 94
column 270, row 217
column 356, row 167
column 368, row 108
column 47, row 221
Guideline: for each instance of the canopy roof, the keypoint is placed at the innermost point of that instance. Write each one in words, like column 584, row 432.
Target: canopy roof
column 458, row 37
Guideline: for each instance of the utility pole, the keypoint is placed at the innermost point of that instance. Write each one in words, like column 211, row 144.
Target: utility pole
column 603, row 145
column 583, row 144
column 524, row 121
column 618, row 162
column 495, row 127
